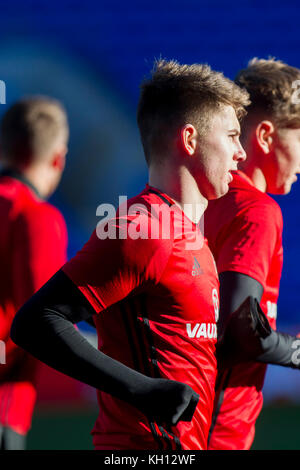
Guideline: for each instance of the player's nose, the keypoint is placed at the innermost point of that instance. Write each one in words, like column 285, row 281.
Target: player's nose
column 240, row 154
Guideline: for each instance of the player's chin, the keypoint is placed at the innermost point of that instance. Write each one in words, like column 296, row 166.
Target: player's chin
column 287, row 185
column 220, row 192
column 284, row 189
column 287, row 189
column 224, row 188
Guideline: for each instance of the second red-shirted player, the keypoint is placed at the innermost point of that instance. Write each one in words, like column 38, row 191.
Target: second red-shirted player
column 244, row 230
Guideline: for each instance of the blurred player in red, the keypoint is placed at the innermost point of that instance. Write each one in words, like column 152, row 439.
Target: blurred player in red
column 153, row 295
column 33, row 241
column 244, row 231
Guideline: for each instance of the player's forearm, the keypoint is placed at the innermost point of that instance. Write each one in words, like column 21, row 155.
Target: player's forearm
column 249, row 337
column 54, row 340
column 48, row 334
column 281, row 349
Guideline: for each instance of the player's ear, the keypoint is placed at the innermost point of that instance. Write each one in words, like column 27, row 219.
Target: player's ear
column 264, row 135
column 188, row 139
column 59, row 160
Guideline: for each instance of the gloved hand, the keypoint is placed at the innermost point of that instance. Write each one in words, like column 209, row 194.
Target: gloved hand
column 166, row 401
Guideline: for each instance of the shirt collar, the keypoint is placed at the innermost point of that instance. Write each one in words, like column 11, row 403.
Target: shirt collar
column 12, row 173
column 243, row 175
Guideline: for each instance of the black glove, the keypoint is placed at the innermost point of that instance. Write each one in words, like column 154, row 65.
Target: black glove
column 165, row 401
column 244, row 332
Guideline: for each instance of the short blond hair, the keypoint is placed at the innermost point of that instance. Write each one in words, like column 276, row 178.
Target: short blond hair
column 30, row 130
column 176, row 95
column 269, row 83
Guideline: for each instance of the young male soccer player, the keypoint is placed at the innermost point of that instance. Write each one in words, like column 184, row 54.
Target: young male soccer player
column 155, row 314
column 33, row 239
column 244, row 231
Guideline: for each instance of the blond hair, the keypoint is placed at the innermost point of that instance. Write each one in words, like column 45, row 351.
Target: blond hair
column 177, row 94
column 30, row 130
column 269, row 83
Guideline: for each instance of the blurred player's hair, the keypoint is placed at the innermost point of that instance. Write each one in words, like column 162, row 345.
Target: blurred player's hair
column 269, row 83
column 176, row 95
column 31, row 129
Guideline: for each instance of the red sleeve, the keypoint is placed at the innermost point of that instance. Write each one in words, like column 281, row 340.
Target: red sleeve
column 40, row 241
column 106, row 271
column 251, row 241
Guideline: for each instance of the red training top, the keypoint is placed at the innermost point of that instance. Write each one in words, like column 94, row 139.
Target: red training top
column 156, row 301
column 33, row 241
column 244, row 232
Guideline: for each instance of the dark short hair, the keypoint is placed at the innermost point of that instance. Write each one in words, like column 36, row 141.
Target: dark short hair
column 30, row 128
column 176, row 95
column 269, row 83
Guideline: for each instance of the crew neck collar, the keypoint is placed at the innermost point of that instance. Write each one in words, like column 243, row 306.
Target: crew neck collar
column 170, row 202
column 158, row 191
column 244, row 176
column 11, row 173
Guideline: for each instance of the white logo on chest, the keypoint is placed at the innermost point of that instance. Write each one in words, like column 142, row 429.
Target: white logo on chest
column 202, row 330
column 272, row 310
column 215, row 298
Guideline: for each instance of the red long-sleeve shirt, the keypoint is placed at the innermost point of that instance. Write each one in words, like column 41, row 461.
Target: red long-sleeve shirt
column 33, row 242
column 157, row 305
column 244, row 231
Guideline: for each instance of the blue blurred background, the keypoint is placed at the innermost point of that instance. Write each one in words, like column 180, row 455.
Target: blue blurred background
column 92, row 56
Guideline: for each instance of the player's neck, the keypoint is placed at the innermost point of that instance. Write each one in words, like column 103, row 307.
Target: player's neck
column 256, row 175
column 252, row 166
column 178, row 184
column 38, row 179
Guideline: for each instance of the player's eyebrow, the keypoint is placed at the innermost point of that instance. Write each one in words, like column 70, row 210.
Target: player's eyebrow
column 235, row 131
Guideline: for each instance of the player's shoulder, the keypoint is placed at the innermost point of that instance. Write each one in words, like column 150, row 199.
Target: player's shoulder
column 262, row 205
column 38, row 209
column 153, row 212
column 250, row 198
column 39, row 218
column 136, row 227
column 13, row 192
column 269, row 205
column 149, row 201
column 24, row 202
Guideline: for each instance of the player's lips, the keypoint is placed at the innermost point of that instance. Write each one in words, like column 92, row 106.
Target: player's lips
column 295, row 178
